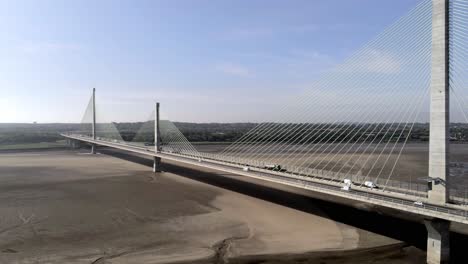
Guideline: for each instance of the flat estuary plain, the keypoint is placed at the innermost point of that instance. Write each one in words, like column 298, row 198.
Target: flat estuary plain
column 71, row 207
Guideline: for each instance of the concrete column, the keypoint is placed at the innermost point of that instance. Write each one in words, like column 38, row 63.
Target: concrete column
column 157, row 133
column 439, row 123
column 156, row 164
column 157, row 140
column 74, row 144
column 93, row 146
column 438, row 241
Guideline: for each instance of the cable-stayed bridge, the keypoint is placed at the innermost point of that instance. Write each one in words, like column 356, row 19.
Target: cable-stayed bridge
column 349, row 135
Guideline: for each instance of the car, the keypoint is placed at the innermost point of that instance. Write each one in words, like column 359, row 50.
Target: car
column 346, row 188
column 274, row 167
column 245, row 169
column 418, row 203
column 370, row 184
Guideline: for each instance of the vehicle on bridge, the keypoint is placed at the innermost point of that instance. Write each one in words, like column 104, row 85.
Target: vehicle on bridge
column 346, row 188
column 371, row 185
column 347, row 185
column 274, row 167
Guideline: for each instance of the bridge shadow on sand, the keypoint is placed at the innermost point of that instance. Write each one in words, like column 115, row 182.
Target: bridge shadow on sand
column 411, row 232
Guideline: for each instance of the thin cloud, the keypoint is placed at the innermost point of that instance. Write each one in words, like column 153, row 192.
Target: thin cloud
column 304, row 28
column 233, row 69
column 266, row 32
column 40, row 47
column 250, row 33
column 381, row 62
column 374, row 61
column 309, row 54
column 294, row 56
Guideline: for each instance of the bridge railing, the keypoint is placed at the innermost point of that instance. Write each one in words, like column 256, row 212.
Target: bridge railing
column 459, row 196
column 413, row 189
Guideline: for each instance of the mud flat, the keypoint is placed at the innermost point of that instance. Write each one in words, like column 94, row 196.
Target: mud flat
column 72, row 207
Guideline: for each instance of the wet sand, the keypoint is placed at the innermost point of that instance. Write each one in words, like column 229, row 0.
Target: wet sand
column 71, row 207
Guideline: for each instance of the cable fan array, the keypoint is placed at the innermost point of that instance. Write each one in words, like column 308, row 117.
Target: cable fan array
column 356, row 120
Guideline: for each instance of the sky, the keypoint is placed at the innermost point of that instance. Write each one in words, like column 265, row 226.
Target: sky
column 203, row 60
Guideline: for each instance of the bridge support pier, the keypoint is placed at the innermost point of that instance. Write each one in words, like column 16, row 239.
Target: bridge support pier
column 93, row 148
column 74, row 144
column 438, row 244
column 156, row 164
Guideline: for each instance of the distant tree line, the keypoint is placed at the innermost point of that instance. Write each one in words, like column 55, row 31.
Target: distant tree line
column 230, row 132
column 33, row 133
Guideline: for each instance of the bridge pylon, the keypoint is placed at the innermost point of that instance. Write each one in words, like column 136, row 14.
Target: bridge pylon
column 439, row 120
column 157, row 140
column 93, row 146
column 438, row 231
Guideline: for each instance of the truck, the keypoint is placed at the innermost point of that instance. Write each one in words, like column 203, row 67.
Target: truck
column 274, row 167
column 347, row 185
column 346, row 188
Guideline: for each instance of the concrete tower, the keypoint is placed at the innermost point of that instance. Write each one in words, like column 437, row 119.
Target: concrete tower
column 93, row 146
column 439, row 126
column 438, row 249
column 157, row 140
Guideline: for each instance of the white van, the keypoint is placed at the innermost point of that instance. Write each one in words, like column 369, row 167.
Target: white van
column 370, row 184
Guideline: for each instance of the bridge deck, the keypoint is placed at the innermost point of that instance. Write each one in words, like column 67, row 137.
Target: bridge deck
column 399, row 201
